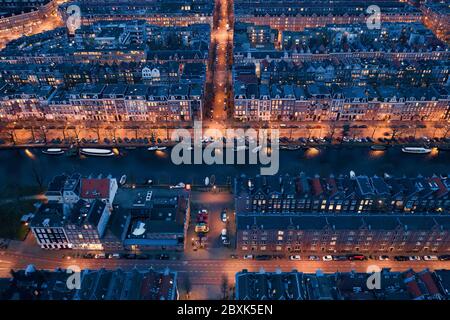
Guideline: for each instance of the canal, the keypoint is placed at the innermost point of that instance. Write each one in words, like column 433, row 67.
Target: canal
column 25, row 166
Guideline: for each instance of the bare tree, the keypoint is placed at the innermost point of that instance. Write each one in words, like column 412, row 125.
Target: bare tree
column 394, row 131
column 33, row 135
column 309, row 130
column 332, row 131
column 113, row 131
column 12, row 135
column 44, row 132
column 446, row 130
column 153, row 135
column 97, row 130
column 77, row 131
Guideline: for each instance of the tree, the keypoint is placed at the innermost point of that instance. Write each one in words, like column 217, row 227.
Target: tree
column 446, row 130
column 395, row 130
column 12, row 135
column 332, row 131
column 44, row 132
column 113, row 131
column 77, row 131
column 97, row 130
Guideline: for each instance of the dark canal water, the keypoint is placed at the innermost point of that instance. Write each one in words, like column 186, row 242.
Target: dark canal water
column 20, row 166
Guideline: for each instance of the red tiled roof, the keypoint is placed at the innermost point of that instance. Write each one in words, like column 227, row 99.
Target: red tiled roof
column 332, row 186
column 317, row 187
column 442, row 189
column 429, row 282
column 156, row 286
column 413, row 288
column 94, row 188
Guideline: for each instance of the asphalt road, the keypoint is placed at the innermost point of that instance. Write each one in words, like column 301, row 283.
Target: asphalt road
column 210, row 271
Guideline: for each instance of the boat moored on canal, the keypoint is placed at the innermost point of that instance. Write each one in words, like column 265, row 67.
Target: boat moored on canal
column 378, row 147
column 96, row 152
column 416, row 150
column 53, row 151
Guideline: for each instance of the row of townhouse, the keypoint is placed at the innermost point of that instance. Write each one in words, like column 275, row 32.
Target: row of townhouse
column 279, row 234
column 315, row 102
column 291, row 195
column 257, row 56
column 298, row 15
column 157, row 12
column 17, row 17
column 294, row 285
column 69, row 75
column 179, row 102
column 351, row 72
column 101, row 284
column 111, row 43
column 436, row 16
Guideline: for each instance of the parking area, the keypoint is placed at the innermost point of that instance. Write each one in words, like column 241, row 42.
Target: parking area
column 211, row 232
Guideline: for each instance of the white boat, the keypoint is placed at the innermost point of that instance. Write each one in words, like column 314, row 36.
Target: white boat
column 257, row 149
column 416, row 150
column 97, row 152
column 206, row 181
column 123, row 179
column 53, row 151
column 161, row 148
column 152, row 148
column 180, row 185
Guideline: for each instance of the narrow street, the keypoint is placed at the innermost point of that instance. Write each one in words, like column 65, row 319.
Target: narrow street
column 219, row 89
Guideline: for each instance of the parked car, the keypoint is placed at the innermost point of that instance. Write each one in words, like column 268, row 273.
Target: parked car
column 430, row 258
column 414, row 258
column 401, row 258
column 248, row 257
column 313, row 258
column 295, row 258
column 357, row 257
column 223, row 234
column 263, row 257
column 327, row 258
column 201, row 227
column 383, row 258
column 223, row 216
column 445, row 257
column 340, row 258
